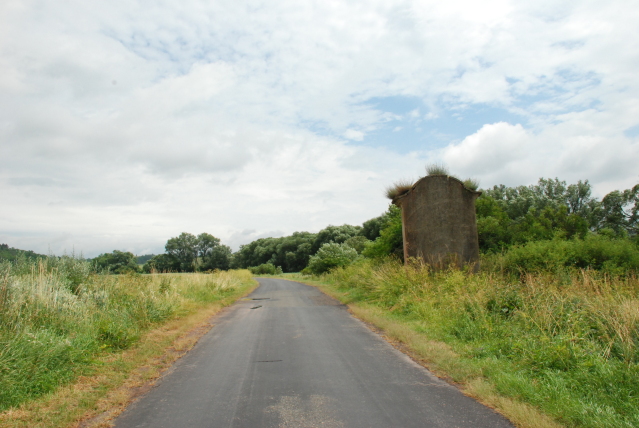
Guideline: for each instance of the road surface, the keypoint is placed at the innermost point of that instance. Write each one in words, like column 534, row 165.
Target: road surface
column 289, row 356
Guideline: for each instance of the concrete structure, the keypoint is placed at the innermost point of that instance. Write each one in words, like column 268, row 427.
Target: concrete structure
column 439, row 223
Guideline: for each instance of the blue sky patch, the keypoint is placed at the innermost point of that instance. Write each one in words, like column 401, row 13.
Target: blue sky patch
column 632, row 132
column 416, row 128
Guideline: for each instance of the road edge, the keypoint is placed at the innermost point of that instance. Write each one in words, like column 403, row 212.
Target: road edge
column 430, row 354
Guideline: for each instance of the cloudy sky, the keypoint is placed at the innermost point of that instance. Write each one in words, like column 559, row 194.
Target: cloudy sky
column 124, row 123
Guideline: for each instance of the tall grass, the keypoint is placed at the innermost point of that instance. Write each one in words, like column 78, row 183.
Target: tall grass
column 56, row 316
column 566, row 344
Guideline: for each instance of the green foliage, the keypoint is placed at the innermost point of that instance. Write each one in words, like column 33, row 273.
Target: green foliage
column 390, row 241
column 372, row 228
column 212, row 254
column 118, row 262
column 184, row 249
column 11, row 254
column 330, row 256
column 549, row 210
column 518, row 201
column 190, row 253
column 566, row 344
column 620, row 211
column 162, row 263
column 219, row 258
column 57, row 316
column 141, row 260
column 611, row 255
column 265, row 269
column 289, row 252
column 293, row 252
column 336, row 234
column 358, row 243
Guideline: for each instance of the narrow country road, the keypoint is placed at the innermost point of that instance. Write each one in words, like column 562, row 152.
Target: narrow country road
column 290, row 356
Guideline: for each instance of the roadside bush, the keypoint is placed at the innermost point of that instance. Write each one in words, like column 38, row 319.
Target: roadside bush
column 118, row 262
column 266, row 269
column 610, row 255
column 330, row 256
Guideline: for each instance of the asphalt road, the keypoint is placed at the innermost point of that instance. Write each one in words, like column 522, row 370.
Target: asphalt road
column 290, row 356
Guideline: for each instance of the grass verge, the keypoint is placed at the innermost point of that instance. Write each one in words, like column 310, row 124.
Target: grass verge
column 104, row 382
column 544, row 351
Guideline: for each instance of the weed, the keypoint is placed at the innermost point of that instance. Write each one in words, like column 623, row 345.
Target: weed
column 56, row 316
column 400, row 188
column 564, row 343
column 436, row 169
column 471, row 184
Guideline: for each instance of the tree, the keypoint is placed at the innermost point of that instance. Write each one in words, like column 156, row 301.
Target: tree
column 371, row 229
column 117, row 262
column 220, row 258
column 358, row 243
column 184, row 249
column 337, row 234
column 212, row 254
column 162, row 263
column 620, row 211
column 330, row 256
column 289, row 252
column 390, row 240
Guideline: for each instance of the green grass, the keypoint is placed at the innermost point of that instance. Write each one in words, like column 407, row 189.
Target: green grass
column 57, row 318
column 564, row 344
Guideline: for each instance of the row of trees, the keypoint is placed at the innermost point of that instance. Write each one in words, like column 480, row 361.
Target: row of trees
column 184, row 253
column 190, row 253
column 550, row 209
column 292, row 253
column 506, row 216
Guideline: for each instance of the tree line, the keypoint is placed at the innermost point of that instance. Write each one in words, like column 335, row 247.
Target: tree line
column 506, row 217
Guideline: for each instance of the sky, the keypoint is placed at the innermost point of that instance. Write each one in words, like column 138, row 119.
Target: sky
column 125, row 123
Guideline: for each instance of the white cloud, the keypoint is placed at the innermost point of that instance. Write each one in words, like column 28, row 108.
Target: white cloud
column 352, row 134
column 502, row 153
column 122, row 124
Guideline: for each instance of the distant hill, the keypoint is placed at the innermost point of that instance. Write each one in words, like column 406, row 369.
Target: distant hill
column 9, row 253
column 143, row 259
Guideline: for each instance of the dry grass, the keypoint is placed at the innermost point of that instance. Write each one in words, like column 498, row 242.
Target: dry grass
column 400, row 188
column 436, row 169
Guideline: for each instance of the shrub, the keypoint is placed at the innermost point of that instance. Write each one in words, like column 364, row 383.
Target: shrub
column 610, row 255
column 330, row 256
column 118, row 262
column 266, row 269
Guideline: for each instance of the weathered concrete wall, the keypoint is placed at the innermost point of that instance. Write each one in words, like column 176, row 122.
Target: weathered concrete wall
column 439, row 223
